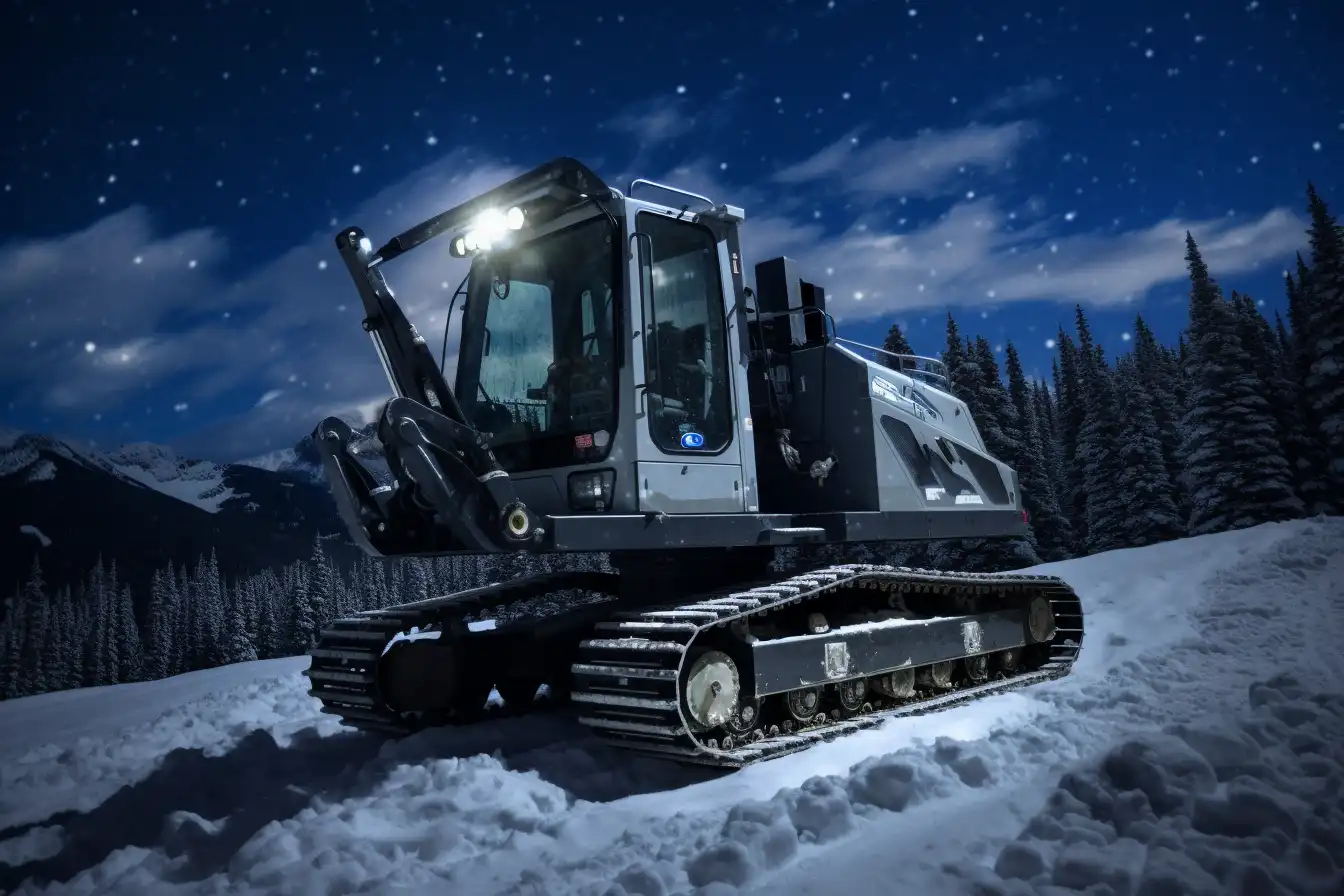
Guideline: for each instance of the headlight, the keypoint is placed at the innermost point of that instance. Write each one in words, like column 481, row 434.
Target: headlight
column 490, row 227
column 591, row 490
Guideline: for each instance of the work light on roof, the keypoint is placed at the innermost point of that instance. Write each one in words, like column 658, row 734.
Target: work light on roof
column 490, row 227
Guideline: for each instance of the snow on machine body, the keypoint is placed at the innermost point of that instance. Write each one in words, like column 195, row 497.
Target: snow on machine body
column 620, row 389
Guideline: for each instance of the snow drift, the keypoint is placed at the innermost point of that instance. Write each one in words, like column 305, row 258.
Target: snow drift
column 1196, row 748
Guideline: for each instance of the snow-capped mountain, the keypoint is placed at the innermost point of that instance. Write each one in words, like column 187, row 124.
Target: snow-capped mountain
column 143, row 506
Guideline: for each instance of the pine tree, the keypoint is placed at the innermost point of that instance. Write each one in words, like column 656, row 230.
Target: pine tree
column 110, row 622
column 158, row 646
column 302, row 624
column 1097, row 457
column 237, row 647
column 1038, row 489
column 129, row 657
column 954, row 359
column 12, row 679
column 1155, row 373
column 95, row 640
column 1150, row 514
column 33, row 600
column 1071, row 400
column 321, row 585
column 1236, row 472
column 1322, row 340
column 897, row 344
column 70, row 639
column 994, row 414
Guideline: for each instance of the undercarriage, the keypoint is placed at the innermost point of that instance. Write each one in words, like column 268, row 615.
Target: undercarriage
column 726, row 676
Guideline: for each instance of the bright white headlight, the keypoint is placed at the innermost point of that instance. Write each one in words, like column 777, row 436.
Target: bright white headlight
column 492, row 224
column 514, row 218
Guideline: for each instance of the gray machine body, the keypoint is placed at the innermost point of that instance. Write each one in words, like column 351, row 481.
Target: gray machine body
column 900, row 441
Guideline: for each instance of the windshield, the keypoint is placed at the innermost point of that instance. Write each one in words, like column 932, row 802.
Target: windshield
column 538, row 363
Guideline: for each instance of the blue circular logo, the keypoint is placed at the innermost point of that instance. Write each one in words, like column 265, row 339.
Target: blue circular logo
column 692, row 440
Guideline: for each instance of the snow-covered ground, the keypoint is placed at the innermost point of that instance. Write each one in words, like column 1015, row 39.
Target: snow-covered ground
column 1197, row 748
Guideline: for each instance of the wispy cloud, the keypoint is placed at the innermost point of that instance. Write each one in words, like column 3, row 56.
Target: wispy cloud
column 1030, row 93
column 920, row 166
column 92, row 321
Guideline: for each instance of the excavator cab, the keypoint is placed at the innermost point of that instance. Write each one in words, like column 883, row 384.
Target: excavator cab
column 620, row 388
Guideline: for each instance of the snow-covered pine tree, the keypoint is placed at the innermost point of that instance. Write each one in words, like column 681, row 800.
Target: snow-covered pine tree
column 1051, row 529
column 95, row 640
column 417, row 580
column 12, row 679
column 175, row 580
column 303, row 626
column 32, row 599
column 321, row 587
column 129, row 656
column 1150, row 514
column 994, row 414
column 896, row 343
column 1098, row 458
column 71, row 639
column 237, row 647
column 269, row 636
column 1324, row 343
column 954, row 359
column 1047, row 423
column 1071, row 402
column 1155, row 373
column 110, row 623
column 1235, row 471
column 158, row 630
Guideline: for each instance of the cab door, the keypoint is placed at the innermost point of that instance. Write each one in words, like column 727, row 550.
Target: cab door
column 689, row 459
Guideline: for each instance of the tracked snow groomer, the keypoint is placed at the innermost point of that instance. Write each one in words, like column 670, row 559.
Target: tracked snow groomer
column 620, row 389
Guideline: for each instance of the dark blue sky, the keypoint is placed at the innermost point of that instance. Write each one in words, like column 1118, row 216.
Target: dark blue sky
column 172, row 173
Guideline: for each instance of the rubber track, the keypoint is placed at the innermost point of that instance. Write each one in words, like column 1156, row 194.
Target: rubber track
column 344, row 668
column 628, row 677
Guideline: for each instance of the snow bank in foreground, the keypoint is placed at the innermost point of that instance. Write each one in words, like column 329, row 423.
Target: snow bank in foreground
column 1253, row 805
column 1179, row 635
column 74, row 749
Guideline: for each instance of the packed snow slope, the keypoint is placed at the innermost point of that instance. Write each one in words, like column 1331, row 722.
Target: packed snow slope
column 1197, row 748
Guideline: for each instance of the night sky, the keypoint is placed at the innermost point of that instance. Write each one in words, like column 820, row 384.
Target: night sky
column 173, row 174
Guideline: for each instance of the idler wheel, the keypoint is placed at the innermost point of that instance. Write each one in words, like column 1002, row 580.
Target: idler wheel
column 802, row 704
column 937, row 676
column 977, row 667
column 850, row 694
column 898, row 684
column 712, row 690
column 1040, row 621
column 746, row 720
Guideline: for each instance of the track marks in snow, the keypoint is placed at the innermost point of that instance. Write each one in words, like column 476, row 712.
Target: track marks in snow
column 1250, row 805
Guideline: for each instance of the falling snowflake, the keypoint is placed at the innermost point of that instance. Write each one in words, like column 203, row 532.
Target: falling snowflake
column 1316, row 145
column 139, row 259
column 1255, row 160
column 913, row 13
column 845, row 95
column 1126, row 337
column 191, row 263
column 681, row 88
column 1049, row 343
column 355, row 169
column 1068, row 216
column 90, row 347
column 180, row 406
column 723, row 166
column 970, row 194
column 322, row 265
column 432, row 140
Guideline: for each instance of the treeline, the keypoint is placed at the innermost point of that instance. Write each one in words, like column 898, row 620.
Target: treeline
column 1240, row 423
column 88, row 635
